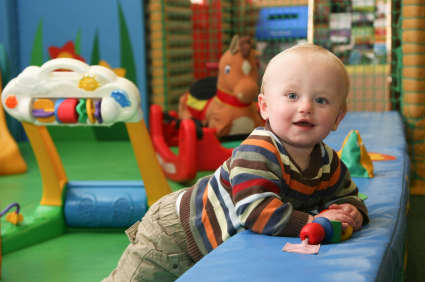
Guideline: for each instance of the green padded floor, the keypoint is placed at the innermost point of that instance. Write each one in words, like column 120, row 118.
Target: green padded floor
column 75, row 256
column 79, row 257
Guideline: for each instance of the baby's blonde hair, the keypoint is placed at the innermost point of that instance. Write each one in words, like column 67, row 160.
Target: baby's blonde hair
column 318, row 55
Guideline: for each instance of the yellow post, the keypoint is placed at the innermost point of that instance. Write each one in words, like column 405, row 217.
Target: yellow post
column 11, row 160
column 156, row 185
column 52, row 172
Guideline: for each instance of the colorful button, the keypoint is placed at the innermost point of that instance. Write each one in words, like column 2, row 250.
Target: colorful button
column 43, row 110
column 90, row 110
column 11, row 102
column 97, row 113
column 67, row 111
column 82, row 111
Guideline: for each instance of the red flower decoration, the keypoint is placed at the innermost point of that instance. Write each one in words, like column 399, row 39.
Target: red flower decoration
column 67, row 51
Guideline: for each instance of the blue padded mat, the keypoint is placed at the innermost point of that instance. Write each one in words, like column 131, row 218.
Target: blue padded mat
column 375, row 253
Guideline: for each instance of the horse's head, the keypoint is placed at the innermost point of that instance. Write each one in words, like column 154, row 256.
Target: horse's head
column 238, row 71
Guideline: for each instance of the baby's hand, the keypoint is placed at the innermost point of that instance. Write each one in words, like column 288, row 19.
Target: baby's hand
column 339, row 214
column 356, row 216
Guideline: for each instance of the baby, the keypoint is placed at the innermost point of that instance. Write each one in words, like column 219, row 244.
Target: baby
column 274, row 178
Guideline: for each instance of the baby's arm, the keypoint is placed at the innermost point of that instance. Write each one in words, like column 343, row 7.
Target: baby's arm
column 254, row 176
column 344, row 203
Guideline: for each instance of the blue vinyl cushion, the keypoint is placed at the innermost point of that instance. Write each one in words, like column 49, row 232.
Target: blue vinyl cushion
column 375, row 253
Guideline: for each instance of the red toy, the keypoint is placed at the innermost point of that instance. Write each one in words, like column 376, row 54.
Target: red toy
column 195, row 153
column 314, row 232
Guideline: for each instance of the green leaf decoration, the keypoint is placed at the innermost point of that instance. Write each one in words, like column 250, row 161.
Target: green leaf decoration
column 37, row 47
column 95, row 57
column 127, row 58
column 363, row 196
column 78, row 42
column 4, row 65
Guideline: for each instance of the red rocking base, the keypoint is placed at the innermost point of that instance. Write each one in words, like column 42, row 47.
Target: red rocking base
column 194, row 154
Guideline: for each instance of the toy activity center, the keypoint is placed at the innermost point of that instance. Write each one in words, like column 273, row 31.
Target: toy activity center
column 92, row 134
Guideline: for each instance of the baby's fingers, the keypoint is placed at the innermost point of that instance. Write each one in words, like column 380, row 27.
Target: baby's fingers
column 345, row 219
column 344, row 225
column 334, row 207
column 346, row 207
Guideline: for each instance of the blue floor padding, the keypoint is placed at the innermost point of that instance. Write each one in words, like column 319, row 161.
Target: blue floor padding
column 375, row 253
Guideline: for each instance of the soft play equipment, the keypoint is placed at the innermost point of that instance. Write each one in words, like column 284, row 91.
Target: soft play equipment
column 81, row 96
column 375, row 253
column 11, row 160
column 213, row 107
column 354, row 155
column 227, row 103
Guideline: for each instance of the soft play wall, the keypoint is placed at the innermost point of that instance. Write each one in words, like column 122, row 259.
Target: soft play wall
column 412, row 72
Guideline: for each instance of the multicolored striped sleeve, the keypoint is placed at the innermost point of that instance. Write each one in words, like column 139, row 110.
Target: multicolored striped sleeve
column 257, row 176
column 342, row 189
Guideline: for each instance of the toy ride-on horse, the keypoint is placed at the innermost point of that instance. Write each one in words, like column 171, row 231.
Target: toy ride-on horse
column 213, row 108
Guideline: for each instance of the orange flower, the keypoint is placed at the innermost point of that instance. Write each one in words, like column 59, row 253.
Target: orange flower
column 67, row 51
column 11, row 101
column 118, row 71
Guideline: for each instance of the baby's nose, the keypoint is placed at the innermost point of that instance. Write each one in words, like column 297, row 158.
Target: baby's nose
column 306, row 107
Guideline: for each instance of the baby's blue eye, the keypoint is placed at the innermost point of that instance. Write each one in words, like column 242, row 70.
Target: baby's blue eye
column 227, row 69
column 292, row 96
column 320, row 101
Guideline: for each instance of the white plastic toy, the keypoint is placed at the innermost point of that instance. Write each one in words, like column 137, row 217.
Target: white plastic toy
column 70, row 92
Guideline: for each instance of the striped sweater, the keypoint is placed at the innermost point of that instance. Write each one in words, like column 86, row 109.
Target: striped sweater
column 261, row 188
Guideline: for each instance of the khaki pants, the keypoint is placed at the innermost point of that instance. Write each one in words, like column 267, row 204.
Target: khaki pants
column 158, row 248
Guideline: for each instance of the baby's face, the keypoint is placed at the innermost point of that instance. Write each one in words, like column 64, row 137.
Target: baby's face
column 303, row 100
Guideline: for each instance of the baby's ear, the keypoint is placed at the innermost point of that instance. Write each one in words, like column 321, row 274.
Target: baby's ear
column 339, row 118
column 262, row 104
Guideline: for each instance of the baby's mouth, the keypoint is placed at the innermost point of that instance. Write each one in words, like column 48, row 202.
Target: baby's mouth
column 303, row 124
